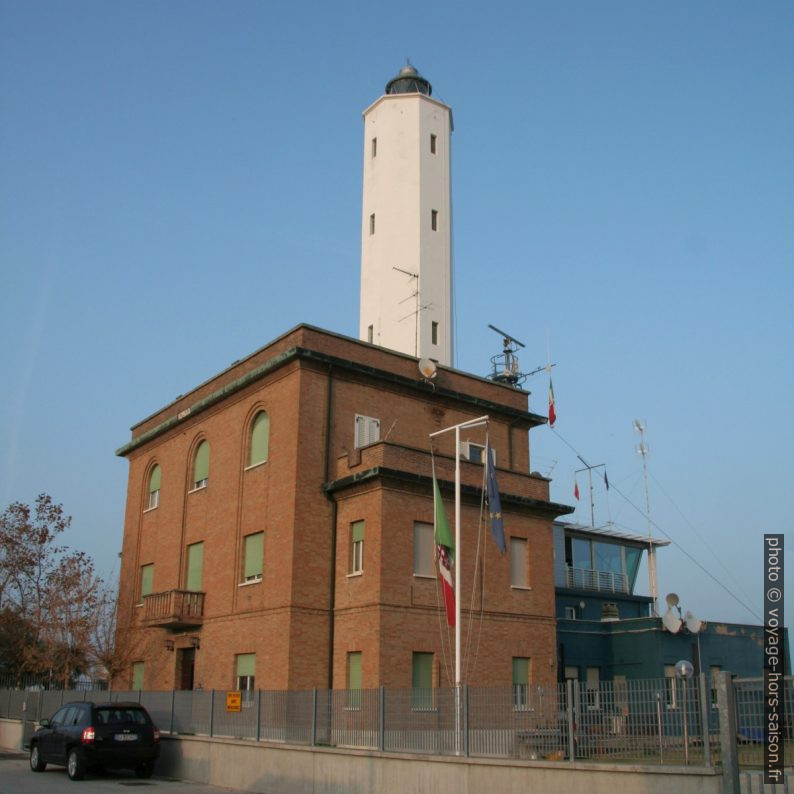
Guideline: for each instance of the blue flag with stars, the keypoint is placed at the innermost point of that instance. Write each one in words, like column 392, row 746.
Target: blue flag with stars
column 494, row 501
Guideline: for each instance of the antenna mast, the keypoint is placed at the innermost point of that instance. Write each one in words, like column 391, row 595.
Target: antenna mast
column 642, row 449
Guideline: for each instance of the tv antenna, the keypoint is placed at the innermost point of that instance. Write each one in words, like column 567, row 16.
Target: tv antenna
column 505, row 368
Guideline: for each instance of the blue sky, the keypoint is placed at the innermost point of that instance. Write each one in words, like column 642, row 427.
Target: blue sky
column 180, row 182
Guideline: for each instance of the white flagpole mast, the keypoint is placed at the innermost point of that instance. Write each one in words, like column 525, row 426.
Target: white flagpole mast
column 479, row 422
column 457, row 556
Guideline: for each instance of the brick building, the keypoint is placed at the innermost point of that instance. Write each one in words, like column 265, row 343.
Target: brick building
column 278, row 528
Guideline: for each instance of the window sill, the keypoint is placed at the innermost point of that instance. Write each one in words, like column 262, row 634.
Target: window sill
column 255, row 465
column 149, row 509
column 198, row 488
column 138, row 605
column 424, row 576
column 354, row 574
column 520, row 587
column 248, row 582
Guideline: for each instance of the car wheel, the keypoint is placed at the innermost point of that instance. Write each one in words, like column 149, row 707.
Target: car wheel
column 146, row 769
column 75, row 765
column 37, row 764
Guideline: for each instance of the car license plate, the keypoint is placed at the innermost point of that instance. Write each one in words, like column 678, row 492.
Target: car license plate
column 126, row 737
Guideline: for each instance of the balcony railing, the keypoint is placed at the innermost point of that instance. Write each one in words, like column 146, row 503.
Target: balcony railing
column 591, row 579
column 174, row 609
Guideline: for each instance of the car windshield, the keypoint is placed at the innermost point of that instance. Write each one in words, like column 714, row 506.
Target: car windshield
column 116, row 716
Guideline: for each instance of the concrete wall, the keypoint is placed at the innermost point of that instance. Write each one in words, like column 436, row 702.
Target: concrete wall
column 295, row 770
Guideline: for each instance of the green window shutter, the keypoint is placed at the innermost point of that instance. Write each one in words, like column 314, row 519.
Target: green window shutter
column 357, row 530
column 137, row 676
column 147, row 579
column 354, row 670
column 246, row 664
column 422, row 674
column 154, row 480
column 195, row 560
column 201, row 468
column 422, row 681
column 253, row 552
column 520, row 671
column 260, row 439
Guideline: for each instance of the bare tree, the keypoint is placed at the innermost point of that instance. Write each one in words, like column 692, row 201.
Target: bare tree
column 52, row 593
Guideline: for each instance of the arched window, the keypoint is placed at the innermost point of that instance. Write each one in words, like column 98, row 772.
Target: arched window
column 154, row 487
column 260, row 439
column 201, row 465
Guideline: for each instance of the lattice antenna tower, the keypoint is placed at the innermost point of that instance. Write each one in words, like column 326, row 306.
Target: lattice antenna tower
column 642, row 450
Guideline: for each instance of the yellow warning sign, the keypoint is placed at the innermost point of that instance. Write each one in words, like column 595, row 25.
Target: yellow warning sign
column 234, row 701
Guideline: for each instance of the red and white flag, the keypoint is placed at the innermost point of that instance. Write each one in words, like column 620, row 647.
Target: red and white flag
column 445, row 553
column 552, row 412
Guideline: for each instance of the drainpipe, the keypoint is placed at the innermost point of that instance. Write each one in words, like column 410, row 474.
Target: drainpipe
column 332, row 573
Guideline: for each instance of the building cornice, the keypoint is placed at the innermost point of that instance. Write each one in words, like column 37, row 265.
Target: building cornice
column 515, row 415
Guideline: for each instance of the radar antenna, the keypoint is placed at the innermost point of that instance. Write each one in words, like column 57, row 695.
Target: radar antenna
column 504, row 367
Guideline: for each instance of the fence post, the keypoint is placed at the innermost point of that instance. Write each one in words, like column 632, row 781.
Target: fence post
column 173, row 709
column 212, row 710
column 258, row 714
column 726, row 702
column 569, row 713
column 381, row 718
column 466, row 720
column 314, row 717
column 704, row 718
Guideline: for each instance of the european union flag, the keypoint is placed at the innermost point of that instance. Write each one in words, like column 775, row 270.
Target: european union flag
column 494, row 502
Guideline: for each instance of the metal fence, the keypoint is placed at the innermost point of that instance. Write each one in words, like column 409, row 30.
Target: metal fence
column 751, row 722
column 660, row 721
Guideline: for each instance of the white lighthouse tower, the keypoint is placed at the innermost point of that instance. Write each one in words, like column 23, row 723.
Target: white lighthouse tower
column 406, row 230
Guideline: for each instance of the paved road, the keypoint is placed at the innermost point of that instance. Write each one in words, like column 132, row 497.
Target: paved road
column 16, row 777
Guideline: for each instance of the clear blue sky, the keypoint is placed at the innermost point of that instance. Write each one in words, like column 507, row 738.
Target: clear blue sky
column 180, row 182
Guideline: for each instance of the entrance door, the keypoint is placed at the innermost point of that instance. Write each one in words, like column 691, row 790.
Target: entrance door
column 187, row 661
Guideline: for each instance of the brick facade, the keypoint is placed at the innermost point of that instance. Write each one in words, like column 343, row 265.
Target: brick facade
column 308, row 611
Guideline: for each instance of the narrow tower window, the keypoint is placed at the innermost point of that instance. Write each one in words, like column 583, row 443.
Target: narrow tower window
column 433, row 220
column 432, row 144
column 370, row 333
column 434, row 332
column 374, row 147
column 372, row 223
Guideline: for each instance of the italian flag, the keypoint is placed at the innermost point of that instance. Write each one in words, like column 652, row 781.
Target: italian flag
column 445, row 553
column 552, row 413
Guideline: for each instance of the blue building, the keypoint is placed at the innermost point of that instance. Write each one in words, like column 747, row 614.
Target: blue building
column 607, row 632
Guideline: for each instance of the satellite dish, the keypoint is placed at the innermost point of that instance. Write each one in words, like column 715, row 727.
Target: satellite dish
column 671, row 621
column 427, row 368
column 672, row 600
column 694, row 625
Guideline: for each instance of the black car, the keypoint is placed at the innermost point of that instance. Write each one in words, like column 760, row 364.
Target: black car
column 84, row 734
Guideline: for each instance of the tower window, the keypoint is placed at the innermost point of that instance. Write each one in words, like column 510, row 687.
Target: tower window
column 370, row 333
column 433, row 220
column 434, row 332
column 372, row 223
column 432, row 144
column 374, row 147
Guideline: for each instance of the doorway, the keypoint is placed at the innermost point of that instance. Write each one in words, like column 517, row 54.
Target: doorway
column 186, row 662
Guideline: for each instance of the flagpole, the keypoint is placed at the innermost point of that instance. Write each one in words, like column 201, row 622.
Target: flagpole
column 458, row 556
column 479, row 422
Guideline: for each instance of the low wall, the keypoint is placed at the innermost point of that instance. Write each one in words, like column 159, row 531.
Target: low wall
column 276, row 769
column 11, row 734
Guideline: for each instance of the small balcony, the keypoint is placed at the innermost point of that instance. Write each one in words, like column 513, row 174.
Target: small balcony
column 591, row 579
column 174, row 609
